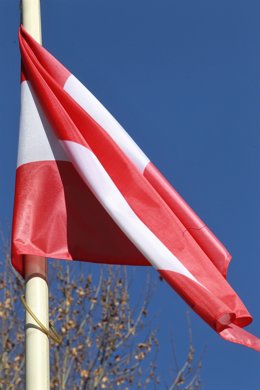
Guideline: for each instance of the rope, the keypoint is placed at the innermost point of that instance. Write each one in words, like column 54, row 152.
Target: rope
column 51, row 333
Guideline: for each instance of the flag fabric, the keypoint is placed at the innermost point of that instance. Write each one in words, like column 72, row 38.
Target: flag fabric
column 86, row 191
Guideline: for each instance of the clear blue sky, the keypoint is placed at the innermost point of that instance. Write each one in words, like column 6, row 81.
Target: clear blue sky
column 183, row 77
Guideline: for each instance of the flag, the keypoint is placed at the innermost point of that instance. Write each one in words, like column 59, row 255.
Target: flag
column 86, row 191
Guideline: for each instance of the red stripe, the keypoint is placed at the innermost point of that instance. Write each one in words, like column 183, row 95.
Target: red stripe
column 54, row 67
column 209, row 243
column 57, row 216
column 238, row 335
column 23, row 76
column 213, row 311
column 210, row 304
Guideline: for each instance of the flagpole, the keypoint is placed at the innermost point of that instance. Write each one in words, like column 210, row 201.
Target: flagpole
column 37, row 376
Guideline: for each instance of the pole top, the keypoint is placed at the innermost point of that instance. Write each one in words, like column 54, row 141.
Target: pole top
column 31, row 18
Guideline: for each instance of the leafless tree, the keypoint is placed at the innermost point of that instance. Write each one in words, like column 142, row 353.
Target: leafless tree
column 108, row 340
column 11, row 328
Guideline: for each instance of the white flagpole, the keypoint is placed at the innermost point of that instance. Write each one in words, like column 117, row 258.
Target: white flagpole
column 37, row 376
column 37, row 370
column 31, row 18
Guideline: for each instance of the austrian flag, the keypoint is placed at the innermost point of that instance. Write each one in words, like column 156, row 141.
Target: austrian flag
column 86, row 191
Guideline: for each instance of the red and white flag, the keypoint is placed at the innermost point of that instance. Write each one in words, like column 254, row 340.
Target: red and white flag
column 86, row 191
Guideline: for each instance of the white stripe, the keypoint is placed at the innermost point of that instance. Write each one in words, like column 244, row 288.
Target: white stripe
column 100, row 114
column 102, row 186
column 37, row 141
